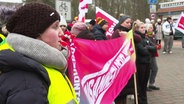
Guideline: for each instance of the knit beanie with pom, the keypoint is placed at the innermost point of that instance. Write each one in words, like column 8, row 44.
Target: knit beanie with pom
column 101, row 21
column 32, row 19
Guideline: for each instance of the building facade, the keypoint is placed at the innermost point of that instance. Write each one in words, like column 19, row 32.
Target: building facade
column 173, row 8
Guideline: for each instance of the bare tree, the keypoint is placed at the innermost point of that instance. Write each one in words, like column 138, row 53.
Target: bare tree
column 49, row 2
column 136, row 9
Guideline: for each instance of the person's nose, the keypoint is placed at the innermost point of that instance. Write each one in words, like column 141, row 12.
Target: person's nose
column 60, row 32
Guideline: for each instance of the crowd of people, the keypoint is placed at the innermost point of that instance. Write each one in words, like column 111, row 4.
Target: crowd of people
column 34, row 53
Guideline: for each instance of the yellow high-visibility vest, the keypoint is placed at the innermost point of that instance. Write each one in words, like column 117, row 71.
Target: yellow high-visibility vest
column 4, row 45
column 60, row 90
column 63, row 93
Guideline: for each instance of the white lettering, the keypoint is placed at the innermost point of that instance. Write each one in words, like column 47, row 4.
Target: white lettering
column 110, row 30
column 76, row 79
column 95, row 85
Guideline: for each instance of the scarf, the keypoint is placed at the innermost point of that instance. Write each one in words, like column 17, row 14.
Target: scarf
column 139, row 33
column 38, row 50
column 149, row 34
column 121, row 28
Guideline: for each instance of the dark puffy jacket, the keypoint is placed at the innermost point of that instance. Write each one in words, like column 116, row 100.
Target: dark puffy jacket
column 18, row 80
column 99, row 33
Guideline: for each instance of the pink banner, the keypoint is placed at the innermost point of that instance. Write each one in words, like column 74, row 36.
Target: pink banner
column 111, row 20
column 99, row 70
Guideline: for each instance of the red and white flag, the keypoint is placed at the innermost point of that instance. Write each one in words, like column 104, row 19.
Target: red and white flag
column 83, row 9
column 99, row 70
column 180, row 23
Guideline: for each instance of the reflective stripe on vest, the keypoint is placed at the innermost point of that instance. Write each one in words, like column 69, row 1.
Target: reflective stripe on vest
column 63, row 93
column 2, row 36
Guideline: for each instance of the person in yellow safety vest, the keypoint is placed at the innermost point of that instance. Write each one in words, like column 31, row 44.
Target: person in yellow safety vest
column 32, row 64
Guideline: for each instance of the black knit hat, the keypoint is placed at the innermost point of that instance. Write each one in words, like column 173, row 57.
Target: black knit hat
column 32, row 19
column 123, row 18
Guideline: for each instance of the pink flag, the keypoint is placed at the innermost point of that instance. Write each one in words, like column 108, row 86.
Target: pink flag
column 180, row 23
column 83, row 8
column 99, row 70
column 111, row 20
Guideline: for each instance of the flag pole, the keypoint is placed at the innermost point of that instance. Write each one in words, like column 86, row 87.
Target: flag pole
column 135, row 87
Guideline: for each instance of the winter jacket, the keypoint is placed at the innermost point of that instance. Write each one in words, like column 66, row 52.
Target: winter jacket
column 25, row 81
column 99, row 33
column 166, row 28
column 159, row 31
column 144, row 50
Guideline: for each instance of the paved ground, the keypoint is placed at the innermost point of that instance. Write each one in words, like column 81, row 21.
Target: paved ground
column 170, row 77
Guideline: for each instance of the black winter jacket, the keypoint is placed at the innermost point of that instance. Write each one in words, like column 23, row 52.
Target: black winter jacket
column 99, row 33
column 144, row 50
column 22, row 77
